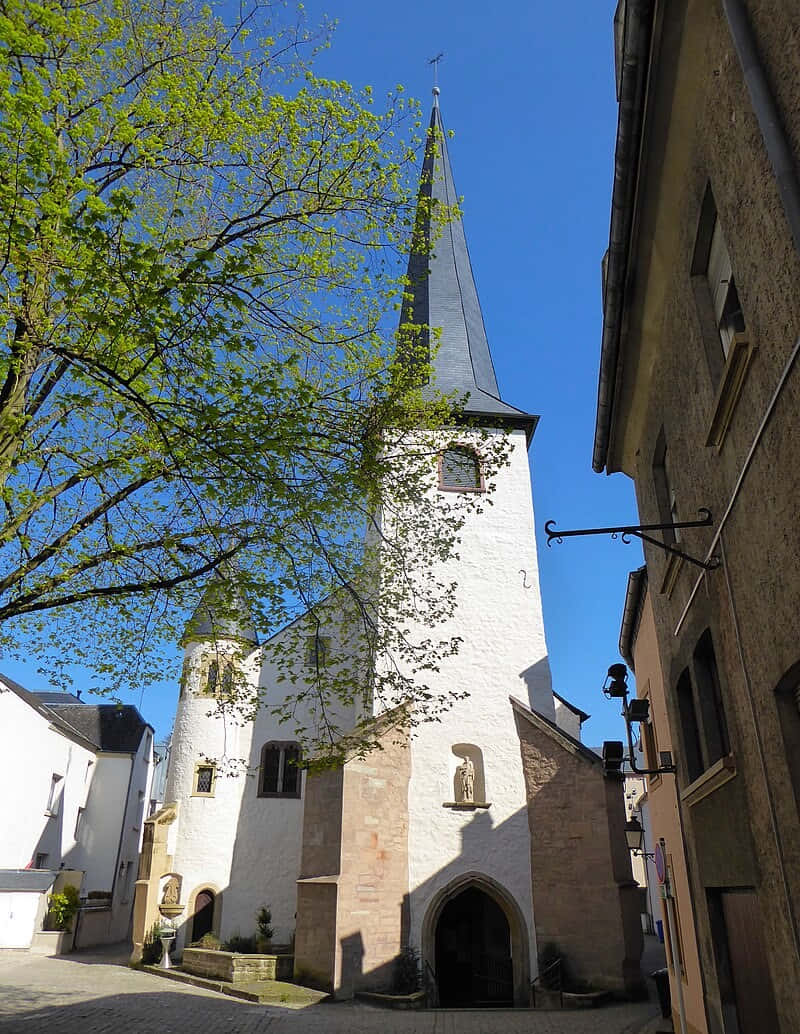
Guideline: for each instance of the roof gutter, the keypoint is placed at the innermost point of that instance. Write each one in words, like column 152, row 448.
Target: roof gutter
column 638, row 19
column 634, row 594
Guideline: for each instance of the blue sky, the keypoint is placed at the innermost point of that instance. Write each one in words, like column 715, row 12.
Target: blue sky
column 528, row 89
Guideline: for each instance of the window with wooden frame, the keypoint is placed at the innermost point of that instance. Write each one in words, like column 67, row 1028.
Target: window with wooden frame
column 722, row 324
column 54, row 796
column 280, row 773
column 205, row 779
column 704, row 727
column 460, row 470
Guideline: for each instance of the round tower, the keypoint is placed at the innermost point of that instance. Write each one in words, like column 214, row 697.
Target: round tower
column 210, row 748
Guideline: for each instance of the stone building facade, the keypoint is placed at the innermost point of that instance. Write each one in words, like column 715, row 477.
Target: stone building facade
column 437, row 840
column 639, row 646
column 697, row 402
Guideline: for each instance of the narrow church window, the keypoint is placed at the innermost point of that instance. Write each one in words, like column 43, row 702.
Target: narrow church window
column 460, row 470
column 212, row 678
column 204, row 780
column 280, row 770
column 317, row 649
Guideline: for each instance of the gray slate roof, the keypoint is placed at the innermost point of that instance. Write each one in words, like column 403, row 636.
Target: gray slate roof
column 442, row 294
column 112, row 727
column 222, row 613
column 27, row 879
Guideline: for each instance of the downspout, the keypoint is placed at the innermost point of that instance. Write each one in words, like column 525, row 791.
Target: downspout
column 122, row 832
column 766, row 112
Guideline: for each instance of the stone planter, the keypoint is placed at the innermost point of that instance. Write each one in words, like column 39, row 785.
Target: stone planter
column 52, row 942
column 236, row 968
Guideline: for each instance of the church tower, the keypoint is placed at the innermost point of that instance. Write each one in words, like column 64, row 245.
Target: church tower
column 433, row 841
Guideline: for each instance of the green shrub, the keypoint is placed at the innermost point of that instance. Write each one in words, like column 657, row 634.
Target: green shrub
column 244, row 945
column 209, row 941
column 151, row 946
column 263, row 919
column 61, row 908
column 407, row 971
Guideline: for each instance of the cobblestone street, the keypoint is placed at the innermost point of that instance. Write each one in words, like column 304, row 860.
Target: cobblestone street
column 98, row 994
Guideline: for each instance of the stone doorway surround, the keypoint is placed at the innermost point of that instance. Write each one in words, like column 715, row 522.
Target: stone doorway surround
column 520, row 954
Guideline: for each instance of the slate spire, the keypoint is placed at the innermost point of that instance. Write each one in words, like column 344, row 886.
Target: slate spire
column 442, row 293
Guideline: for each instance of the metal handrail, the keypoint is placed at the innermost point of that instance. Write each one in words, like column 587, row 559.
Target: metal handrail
column 554, row 965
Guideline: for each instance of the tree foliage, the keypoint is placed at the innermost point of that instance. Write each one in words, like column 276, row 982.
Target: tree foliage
column 201, row 242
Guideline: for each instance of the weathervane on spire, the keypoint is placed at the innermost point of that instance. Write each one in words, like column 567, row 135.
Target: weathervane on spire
column 435, row 62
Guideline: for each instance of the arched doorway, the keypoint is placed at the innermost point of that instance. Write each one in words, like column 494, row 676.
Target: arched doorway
column 203, row 918
column 473, row 952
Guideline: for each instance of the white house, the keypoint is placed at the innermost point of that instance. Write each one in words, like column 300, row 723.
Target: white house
column 80, row 775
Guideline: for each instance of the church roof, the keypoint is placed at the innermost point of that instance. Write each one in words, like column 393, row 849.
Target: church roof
column 222, row 613
column 442, row 294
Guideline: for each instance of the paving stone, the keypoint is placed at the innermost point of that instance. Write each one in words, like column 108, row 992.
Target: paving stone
column 98, row 994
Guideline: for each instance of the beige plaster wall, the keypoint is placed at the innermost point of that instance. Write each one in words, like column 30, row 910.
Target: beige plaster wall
column 666, row 821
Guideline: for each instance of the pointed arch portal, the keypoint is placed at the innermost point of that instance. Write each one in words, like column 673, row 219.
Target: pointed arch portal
column 475, row 940
column 203, row 918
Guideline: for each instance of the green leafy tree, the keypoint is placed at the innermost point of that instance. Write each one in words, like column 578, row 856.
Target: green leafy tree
column 201, row 243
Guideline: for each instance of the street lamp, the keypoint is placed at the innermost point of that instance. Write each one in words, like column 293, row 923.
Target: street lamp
column 634, row 834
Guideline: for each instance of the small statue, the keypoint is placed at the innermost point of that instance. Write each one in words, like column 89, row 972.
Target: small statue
column 171, row 891
column 466, row 775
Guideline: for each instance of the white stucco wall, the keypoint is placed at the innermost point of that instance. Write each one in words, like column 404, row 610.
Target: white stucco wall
column 31, row 752
column 503, row 653
column 236, row 843
column 567, row 720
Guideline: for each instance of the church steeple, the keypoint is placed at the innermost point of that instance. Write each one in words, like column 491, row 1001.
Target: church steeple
column 442, row 293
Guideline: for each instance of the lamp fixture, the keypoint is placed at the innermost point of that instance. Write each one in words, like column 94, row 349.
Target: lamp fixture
column 634, row 834
column 615, row 687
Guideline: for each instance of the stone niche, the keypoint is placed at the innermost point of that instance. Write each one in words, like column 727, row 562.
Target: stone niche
column 467, row 778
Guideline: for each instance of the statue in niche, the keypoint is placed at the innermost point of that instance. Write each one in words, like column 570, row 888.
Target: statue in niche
column 466, row 779
column 172, row 891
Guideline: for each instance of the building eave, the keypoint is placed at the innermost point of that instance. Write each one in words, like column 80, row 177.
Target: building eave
column 633, row 79
column 555, row 732
column 634, row 596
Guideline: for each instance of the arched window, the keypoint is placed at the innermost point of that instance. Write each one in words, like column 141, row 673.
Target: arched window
column 460, row 470
column 280, row 774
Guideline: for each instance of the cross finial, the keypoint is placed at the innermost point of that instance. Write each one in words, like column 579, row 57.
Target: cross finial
column 435, row 62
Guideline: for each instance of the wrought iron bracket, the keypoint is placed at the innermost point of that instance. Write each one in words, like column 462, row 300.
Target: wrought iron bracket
column 640, row 531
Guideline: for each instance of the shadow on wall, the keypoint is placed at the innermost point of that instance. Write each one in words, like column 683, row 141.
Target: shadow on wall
column 538, row 680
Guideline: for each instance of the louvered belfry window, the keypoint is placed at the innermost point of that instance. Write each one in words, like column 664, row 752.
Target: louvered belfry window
column 460, row 470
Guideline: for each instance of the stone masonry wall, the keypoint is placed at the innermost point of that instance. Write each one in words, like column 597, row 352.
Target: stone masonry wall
column 583, row 891
column 373, row 886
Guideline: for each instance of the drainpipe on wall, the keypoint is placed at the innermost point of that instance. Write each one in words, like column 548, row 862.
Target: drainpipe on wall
column 766, row 112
